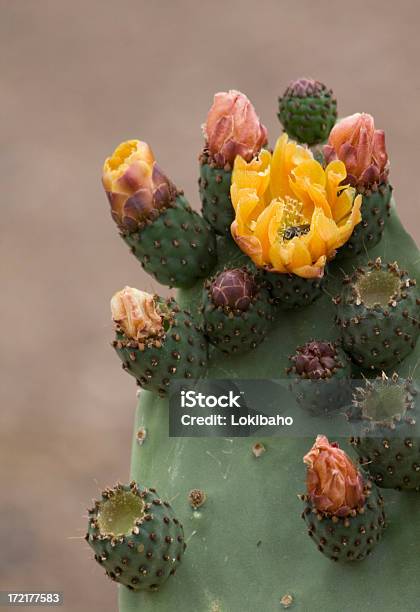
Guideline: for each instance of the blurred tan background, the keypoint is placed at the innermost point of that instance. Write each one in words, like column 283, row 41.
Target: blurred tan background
column 77, row 78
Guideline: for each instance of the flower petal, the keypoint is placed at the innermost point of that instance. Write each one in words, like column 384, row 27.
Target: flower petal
column 286, row 156
column 266, row 226
column 250, row 245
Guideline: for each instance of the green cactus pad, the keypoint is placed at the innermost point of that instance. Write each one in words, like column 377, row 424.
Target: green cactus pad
column 248, row 546
column 377, row 313
column 352, row 538
column 308, row 111
column 233, row 330
column 180, row 353
column 290, row 291
column 387, row 409
column 214, row 187
column 376, row 207
column 177, row 247
column 135, row 536
column 323, row 395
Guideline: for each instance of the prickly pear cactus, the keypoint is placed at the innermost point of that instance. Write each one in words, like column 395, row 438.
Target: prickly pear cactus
column 214, row 185
column 247, row 544
column 136, row 537
column 308, row 111
column 176, row 248
column 350, row 538
column 237, row 313
column 180, row 349
column 319, row 374
column 388, row 443
column 377, row 314
column 375, row 212
column 290, row 291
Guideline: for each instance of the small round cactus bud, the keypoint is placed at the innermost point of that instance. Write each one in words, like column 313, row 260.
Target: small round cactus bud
column 308, row 111
column 319, row 375
column 316, row 359
column 233, row 128
column 238, row 312
column 355, row 141
column 135, row 312
column 233, row 289
column 333, row 482
column 135, row 185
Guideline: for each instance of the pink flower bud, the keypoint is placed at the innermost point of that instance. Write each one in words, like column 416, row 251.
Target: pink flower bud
column 355, row 142
column 233, row 128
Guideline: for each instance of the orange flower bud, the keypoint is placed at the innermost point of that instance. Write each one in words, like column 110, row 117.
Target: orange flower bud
column 355, row 141
column 136, row 314
column 233, row 128
column 333, row 482
column 135, row 185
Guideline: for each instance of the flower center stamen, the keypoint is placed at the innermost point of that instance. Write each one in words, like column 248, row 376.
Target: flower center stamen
column 293, row 222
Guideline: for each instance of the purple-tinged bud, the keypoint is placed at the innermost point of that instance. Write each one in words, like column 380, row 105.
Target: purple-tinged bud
column 234, row 289
column 316, row 360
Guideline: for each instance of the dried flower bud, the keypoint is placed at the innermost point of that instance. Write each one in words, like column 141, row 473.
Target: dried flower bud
column 135, row 185
column 355, row 142
column 233, row 128
column 234, row 289
column 333, row 482
column 136, row 314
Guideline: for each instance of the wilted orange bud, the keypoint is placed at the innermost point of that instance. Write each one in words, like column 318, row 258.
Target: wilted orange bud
column 134, row 184
column 355, row 142
column 233, row 128
column 333, row 482
column 135, row 313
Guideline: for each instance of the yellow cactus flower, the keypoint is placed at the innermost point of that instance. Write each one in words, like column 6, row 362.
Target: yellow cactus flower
column 291, row 215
